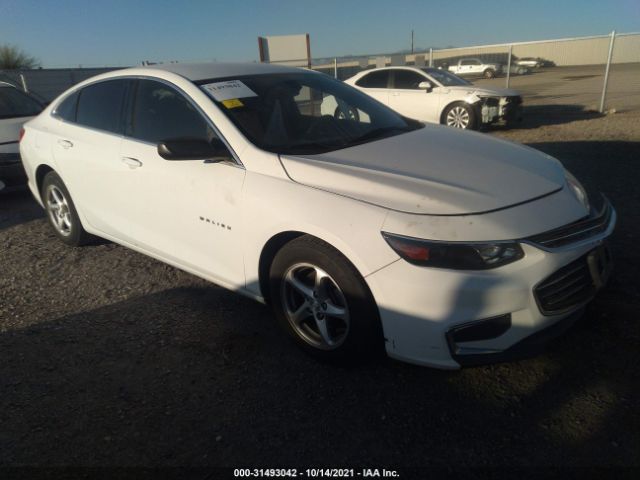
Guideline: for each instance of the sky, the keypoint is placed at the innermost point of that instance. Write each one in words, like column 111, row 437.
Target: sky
column 89, row 33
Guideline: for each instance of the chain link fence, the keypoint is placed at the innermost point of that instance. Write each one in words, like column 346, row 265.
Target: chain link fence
column 587, row 74
column 553, row 76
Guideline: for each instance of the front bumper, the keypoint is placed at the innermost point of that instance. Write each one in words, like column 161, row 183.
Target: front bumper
column 528, row 347
column 506, row 109
column 420, row 307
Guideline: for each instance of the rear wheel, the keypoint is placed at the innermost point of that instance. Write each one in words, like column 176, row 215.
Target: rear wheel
column 460, row 115
column 323, row 303
column 489, row 73
column 61, row 212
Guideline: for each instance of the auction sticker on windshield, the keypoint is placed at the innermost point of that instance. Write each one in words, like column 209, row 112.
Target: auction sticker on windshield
column 221, row 91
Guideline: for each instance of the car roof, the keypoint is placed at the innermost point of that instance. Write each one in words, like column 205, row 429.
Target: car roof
column 392, row 67
column 203, row 71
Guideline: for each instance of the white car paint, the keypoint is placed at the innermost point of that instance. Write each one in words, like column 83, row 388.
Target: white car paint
column 434, row 183
column 430, row 105
column 448, row 178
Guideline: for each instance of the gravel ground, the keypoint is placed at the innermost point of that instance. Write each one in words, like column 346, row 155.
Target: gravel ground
column 110, row 358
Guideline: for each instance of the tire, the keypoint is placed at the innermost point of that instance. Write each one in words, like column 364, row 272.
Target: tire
column 489, row 73
column 323, row 303
column 460, row 115
column 350, row 114
column 61, row 212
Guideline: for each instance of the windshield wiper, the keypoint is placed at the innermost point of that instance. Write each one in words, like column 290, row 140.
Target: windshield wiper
column 309, row 148
column 380, row 133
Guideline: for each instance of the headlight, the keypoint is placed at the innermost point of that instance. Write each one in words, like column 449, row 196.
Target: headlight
column 577, row 189
column 459, row 256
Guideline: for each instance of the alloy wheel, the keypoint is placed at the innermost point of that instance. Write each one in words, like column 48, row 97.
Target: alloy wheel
column 59, row 211
column 315, row 306
column 458, row 117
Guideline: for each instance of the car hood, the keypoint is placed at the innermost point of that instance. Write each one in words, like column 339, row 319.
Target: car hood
column 494, row 92
column 435, row 170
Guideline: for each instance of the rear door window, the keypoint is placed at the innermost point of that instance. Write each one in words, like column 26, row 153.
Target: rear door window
column 14, row 103
column 100, row 105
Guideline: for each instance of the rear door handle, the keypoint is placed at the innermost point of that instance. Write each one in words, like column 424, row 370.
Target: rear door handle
column 132, row 162
column 65, row 143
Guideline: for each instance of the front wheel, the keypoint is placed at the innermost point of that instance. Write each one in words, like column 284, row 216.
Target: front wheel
column 460, row 115
column 489, row 73
column 322, row 302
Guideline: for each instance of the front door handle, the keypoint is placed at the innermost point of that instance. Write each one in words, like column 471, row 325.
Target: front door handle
column 132, row 162
column 65, row 143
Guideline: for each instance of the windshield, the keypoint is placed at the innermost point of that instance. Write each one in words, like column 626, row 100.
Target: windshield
column 445, row 78
column 14, row 103
column 303, row 113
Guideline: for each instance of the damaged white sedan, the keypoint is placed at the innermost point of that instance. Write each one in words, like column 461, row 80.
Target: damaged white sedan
column 433, row 95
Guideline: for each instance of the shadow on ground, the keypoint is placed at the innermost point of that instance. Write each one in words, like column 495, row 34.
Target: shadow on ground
column 201, row 376
column 18, row 207
column 535, row 116
column 128, row 385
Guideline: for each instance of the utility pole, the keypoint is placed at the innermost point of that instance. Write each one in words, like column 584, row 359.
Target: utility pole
column 411, row 41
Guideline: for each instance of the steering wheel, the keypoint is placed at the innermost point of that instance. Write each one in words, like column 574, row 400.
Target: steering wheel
column 322, row 127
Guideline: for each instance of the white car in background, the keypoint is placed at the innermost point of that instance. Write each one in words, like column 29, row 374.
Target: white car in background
column 445, row 248
column 530, row 62
column 16, row 107
column 433, row 95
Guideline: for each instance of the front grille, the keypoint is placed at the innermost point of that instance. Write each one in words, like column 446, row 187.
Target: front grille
column 567, row 288
column 585, row 228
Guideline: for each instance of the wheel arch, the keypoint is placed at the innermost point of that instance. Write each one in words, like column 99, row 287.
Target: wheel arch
column 277, row 241
column 268, row 253
column 41, row 172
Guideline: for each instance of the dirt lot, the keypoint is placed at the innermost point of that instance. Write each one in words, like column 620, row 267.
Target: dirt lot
column 111, row 358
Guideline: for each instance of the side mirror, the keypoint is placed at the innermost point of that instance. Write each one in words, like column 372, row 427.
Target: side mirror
column 192, row 149
column 425, row 86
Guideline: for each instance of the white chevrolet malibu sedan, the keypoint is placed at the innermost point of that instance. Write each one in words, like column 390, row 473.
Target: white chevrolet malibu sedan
column 446, row 248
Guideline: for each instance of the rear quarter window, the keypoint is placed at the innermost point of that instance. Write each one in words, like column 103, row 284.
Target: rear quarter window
column 66, row 110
